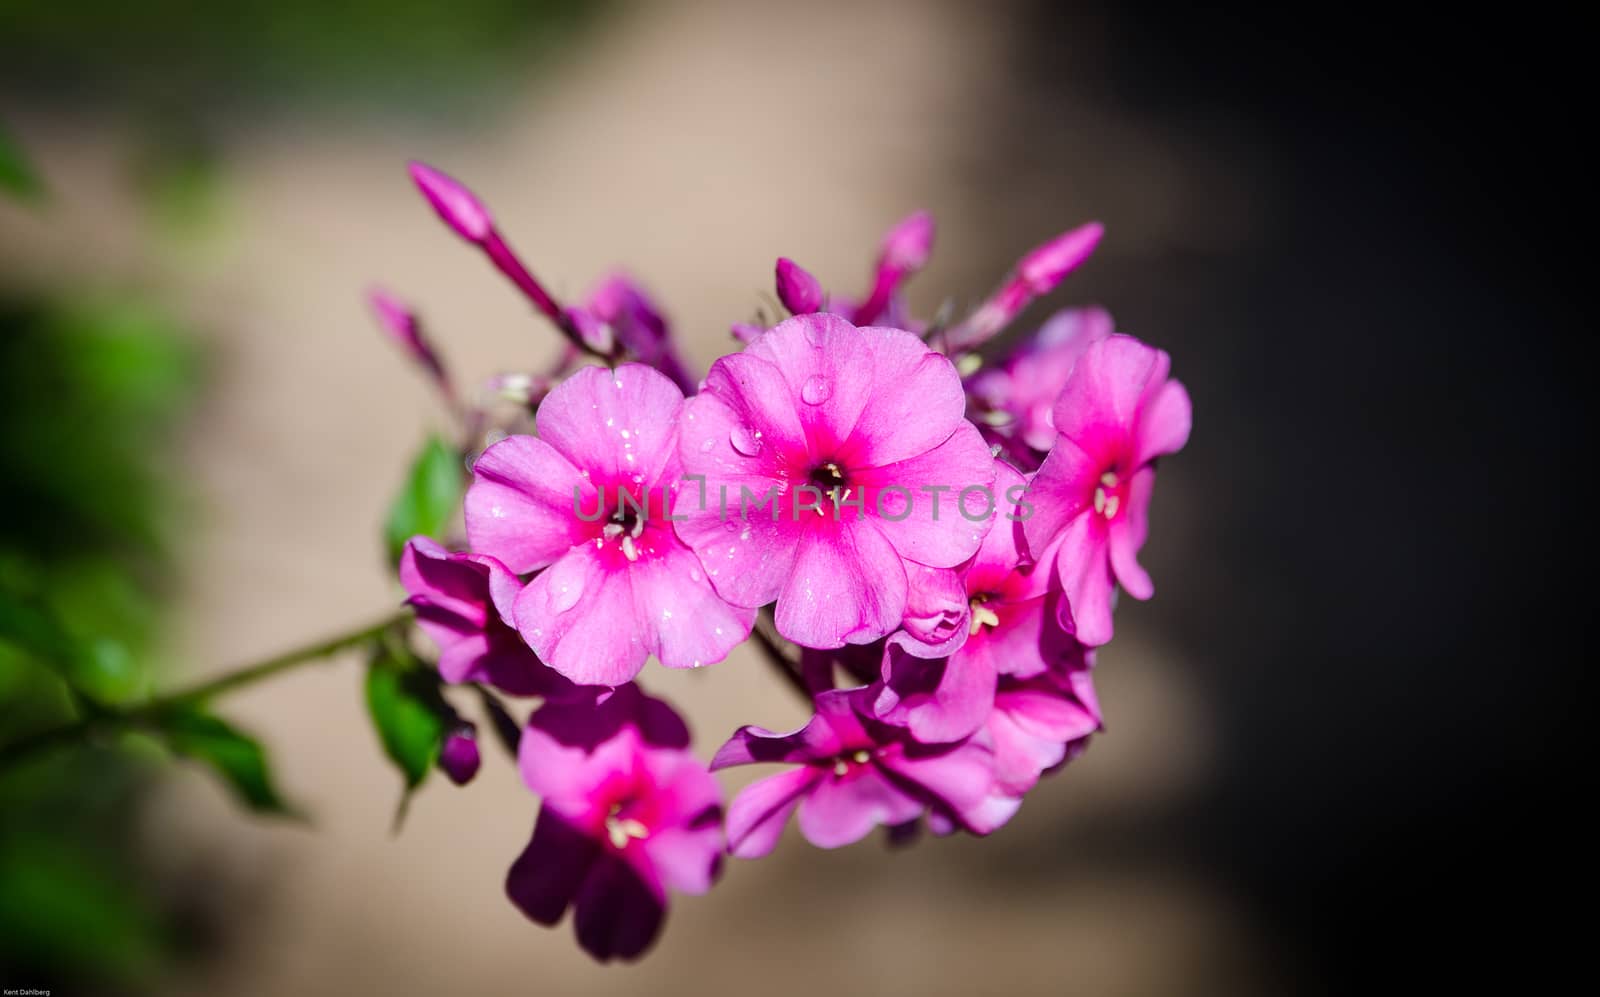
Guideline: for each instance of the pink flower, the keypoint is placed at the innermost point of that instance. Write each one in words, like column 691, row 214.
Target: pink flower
column 1027, row 386
column 627, row 814
column 463, row 602
column 853, row 774
column 832, row 456
column 1117, row 414
column 943, row 690
column 586, row 502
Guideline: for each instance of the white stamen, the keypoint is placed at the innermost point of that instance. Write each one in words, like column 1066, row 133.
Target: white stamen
column 629, row 551
column 1111, row 507
column 1099, row 500
column 982, row 616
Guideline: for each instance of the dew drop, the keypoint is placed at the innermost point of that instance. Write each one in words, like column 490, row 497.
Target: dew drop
column 816, row 390
column 566, row 587
column 745, row 440
column 707, row 445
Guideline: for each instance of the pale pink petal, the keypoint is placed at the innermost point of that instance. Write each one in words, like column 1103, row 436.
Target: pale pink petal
column 936, row 528
column 847, row 586
column 937, row 610
column 690, row 625
column 826, row 365
column 620, row 425
column 917, row 401
column 520, row 507
column 1099, row 407
column 579, row 616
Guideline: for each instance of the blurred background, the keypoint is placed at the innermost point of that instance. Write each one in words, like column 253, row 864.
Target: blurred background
column 1337, row 738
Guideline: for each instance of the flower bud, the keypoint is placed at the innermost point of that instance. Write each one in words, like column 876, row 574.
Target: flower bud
column 797, row 289
column 457, row 205
column 403, row 326
column 1043, row 268
column 909, row 244
column 459, row 756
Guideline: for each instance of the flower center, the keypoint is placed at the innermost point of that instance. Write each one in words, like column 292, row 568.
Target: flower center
column 1108, row 495
column 841, row 767
column 620, row 830
column 627, row 522
column 982, row 616
column 829, row 479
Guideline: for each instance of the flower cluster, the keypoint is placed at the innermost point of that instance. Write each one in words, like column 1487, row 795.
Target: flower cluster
column 925, row 535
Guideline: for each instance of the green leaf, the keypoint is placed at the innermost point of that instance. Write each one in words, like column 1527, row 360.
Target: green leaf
column 238, row 758
column 16, row 176
column 428, row 500
column 408, row 714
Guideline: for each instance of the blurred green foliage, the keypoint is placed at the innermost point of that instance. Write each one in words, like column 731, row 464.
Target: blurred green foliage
column 179, row 53
column 91, row 397
column 428, row 499
column 409, row 714
column 17, row 177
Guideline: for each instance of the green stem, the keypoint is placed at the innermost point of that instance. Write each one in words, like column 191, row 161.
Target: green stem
column 101, row 719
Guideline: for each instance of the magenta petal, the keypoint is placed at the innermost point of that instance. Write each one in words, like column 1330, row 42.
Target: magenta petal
column 841, row 810
column 1127, row 535
column 569, row 775
column 941, row 535
column 1059, row 493
column 546, row 877
column 1099, row 406
column 617, row 914
column 847, row 586
column 1086, row 581
column 958, row 779
column 1164, row 424
column 579, row 616
column 520, row 507
column 938, row 701
column 756, row 816
column 797, row 288
column 1043, row 268
column 620, row 425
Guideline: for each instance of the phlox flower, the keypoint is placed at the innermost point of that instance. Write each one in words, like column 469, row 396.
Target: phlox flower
column 1116, row 415
column 586, row 501
column 627, row 814
column 464, row 603
column 852, row 774
column 831, row 456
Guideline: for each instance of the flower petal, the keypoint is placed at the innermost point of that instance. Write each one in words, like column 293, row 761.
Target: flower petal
column 841, row 810
column 520, row 507
column 548, row 874
column 935, row 527
column 1126, row 534
column 756, row 816
column 579, row 616
column 616, row 424
column 847, row 586
column 690, row 624
column 617, row 913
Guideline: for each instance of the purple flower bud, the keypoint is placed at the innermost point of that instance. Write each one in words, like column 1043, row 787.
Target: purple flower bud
column 459, row 756
column 457, row 205
column 745, row 332
column 909, row 244
column 1044, row 267
column 403, row 326
column 797, row 289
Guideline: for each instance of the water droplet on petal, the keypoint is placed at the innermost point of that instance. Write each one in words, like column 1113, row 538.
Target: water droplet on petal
column 707, row 445
column 745, row 440
column 816, row 390
column 566, row 586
